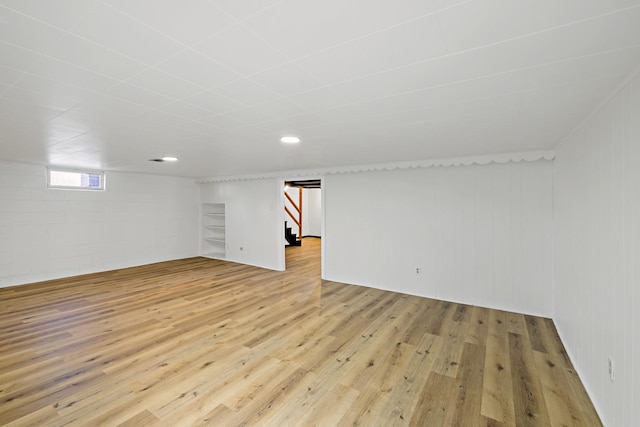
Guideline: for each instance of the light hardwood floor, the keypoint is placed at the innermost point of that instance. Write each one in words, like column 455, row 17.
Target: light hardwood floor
column 201, row 341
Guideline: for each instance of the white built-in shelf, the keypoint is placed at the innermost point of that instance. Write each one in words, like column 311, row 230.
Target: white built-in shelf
column 216, row 255
column 213, row 238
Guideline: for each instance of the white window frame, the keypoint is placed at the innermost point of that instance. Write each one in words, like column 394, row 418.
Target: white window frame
column 101, row 173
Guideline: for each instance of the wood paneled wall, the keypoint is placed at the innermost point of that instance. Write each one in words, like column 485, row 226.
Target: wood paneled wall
column 597, row 253
column 47, row 234
column 254, row 220
column 480, row 234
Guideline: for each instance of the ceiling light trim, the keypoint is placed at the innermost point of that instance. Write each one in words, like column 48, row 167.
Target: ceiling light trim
column 530, row 156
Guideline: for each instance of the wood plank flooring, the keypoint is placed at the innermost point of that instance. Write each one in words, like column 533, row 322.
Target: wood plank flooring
column 200, row 341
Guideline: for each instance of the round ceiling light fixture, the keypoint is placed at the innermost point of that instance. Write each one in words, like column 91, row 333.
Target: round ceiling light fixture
column 290, row 139
column 165, row 159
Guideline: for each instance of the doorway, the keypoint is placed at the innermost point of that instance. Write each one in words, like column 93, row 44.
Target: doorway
column 303, row 214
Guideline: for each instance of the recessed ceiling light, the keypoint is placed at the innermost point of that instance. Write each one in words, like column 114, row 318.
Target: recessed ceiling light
column 165, row 159
column 290, row 139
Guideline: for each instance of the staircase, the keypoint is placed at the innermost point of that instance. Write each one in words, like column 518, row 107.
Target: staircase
column 291, row 238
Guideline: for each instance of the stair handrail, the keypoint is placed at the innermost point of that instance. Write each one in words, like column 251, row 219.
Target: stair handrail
column 292, row 202
column 291, row 215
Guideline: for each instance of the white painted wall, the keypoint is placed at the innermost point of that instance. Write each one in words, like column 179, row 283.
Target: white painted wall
column 254, row 217
column 46, row 234
column 480, row 234
column 597, row 260
column 312, row 212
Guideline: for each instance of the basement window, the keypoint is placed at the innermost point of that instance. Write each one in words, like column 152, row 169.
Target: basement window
column 75, row 179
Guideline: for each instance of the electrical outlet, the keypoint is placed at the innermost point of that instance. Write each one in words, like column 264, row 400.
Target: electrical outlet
column 611, row 371
column 418, row 270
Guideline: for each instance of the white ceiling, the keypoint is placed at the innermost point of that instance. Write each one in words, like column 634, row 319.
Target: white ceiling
column 111, row 84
